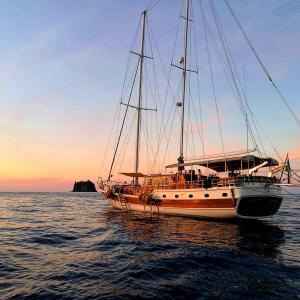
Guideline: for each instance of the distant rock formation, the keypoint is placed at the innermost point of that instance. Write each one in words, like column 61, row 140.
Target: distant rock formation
column 84, row 186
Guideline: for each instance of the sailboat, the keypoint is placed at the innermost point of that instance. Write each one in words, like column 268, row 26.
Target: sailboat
column 240, row 184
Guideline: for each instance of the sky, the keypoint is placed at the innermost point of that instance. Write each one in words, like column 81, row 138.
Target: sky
column 62, row 65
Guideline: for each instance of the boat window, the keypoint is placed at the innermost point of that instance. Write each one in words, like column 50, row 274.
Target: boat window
column 164, row 196
column 150, row 181
column 206, row 195
column 176, row 196
column 224, row 194
column 191, row 196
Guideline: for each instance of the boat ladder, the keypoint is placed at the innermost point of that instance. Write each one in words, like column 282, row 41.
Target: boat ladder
column 123, row 202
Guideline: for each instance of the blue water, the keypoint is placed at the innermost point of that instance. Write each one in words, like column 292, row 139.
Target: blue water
column 74, row 246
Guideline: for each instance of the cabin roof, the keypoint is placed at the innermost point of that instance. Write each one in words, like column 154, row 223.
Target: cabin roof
column 232, row 163
column 133, row 174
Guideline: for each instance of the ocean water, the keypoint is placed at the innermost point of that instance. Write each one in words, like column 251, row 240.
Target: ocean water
column 74, row 246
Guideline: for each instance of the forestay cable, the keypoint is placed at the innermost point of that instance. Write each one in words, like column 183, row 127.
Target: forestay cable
column 261, row 63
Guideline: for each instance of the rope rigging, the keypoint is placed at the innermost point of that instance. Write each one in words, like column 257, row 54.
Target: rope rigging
column 261, row 63
column 123, row 92
column 212, row 80
column 228, row 66
column 123, row 122
column 161, row 132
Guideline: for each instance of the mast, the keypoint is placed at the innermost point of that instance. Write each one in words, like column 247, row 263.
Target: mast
column 180, row 158
column 137, row 149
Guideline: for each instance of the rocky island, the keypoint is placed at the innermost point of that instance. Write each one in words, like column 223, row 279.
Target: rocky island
column 84, row 186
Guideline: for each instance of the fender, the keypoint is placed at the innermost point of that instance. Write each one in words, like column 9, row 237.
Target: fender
column 148, row 198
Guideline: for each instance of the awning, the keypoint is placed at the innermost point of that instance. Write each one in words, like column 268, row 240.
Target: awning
column 133, row 174
column 233, row 163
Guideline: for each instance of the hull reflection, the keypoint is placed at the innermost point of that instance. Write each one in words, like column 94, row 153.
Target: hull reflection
column 251, row 236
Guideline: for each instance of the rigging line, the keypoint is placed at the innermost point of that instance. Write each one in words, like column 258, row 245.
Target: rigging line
column 194, row 109
column 151, row 92
column 230, row 56
column 164, row 128
column 295, row 173
column 129, row 58
column 231, row 74
column 168, row 140
column 212, row 82
column 145, row 115
column 260, row 62
column 229, row 62
column 168, row 77
column 189, row 96
column 156, row 89
column 119, row 124
column 295, row 196
column 118, row 110
column 109, row 137
column 189, row 115
column 125, row 144
column 201, row 133
column 266, row 193
column 123, row 122
column 264, row 133
column 185, row 132
column 153, row 68
column 148, row 145
column 151, row 5
column 234, row 73
column 291, row 194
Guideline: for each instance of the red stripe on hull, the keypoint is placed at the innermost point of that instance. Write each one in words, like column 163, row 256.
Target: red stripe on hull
column 188, row 203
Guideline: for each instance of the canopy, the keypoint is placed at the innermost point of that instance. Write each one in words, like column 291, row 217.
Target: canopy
column 133, row 174
column 232, row 163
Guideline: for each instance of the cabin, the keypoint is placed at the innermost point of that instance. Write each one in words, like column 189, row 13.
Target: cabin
column 220, row 171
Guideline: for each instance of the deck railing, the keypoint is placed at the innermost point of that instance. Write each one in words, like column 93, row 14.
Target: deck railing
column 202, row 183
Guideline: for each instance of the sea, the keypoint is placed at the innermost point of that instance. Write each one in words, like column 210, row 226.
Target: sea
column 75, row 246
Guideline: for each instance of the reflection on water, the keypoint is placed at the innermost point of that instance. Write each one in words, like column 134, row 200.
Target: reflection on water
column 252, row 236
column 68, row 245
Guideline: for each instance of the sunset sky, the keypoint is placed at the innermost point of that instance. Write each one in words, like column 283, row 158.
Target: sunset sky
column 62, row 65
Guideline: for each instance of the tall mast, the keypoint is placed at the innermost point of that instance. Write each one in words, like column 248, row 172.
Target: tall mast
column 137, row 150
column 180, row 158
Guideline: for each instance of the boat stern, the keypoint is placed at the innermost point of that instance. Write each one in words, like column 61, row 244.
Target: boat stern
column 258, row 206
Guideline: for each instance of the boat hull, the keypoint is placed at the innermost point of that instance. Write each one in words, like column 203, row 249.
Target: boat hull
column 252, row 201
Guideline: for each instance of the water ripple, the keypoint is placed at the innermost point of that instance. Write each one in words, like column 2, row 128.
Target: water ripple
column 74, row 246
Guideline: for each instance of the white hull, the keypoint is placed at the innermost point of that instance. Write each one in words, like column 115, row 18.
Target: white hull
column 228, row 213
column 218, row 196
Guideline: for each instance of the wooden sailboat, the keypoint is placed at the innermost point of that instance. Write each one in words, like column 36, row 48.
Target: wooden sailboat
column 229, row 185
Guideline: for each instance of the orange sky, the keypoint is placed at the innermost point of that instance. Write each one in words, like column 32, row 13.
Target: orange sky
column 62, row 72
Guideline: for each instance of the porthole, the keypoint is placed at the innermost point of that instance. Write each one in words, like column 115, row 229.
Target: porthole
column 206, row 195
column 176, row 196
column 224, row 194
column 164, row 196
column 191, row 196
